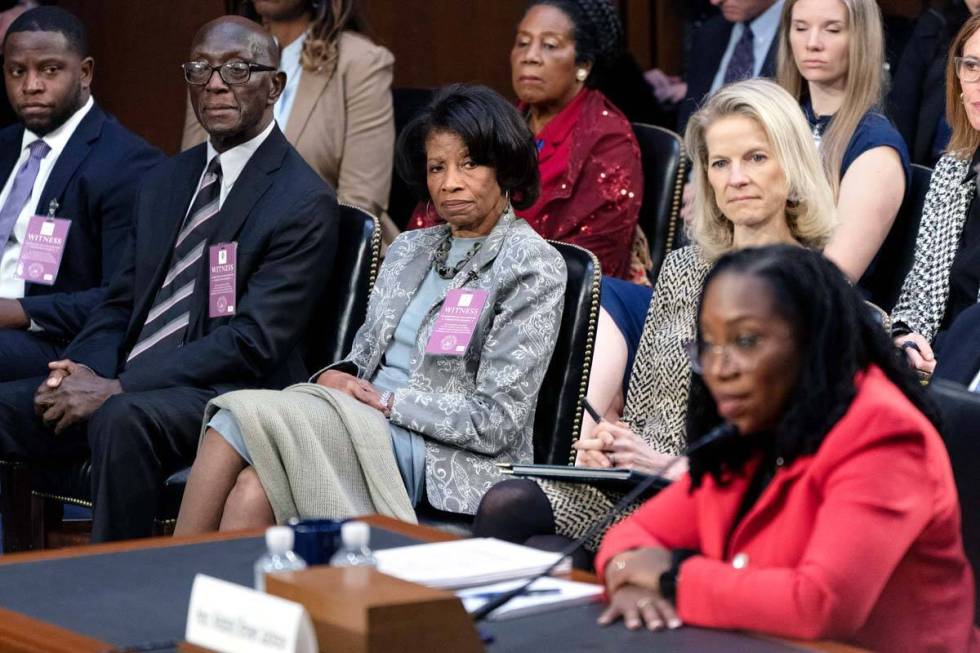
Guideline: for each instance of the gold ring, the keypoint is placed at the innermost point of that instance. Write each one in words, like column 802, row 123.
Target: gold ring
column 620, row 565
column 644, row 602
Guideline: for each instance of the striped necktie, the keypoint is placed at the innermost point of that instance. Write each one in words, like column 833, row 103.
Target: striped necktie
column 166, row 323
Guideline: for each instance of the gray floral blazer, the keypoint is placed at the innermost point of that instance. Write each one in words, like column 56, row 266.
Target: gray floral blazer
column 477, row 409
column 925, row 292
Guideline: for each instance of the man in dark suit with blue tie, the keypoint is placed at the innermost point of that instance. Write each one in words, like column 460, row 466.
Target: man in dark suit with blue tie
column 65, row 156
column 233, row 244
column 740, row 43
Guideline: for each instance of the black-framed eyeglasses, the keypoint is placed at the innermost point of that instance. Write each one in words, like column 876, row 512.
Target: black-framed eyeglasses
column 199, row 73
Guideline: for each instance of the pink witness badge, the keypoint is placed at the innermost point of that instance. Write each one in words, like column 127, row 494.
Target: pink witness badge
column 44, row 245
column 223, row 259
column 456, row 322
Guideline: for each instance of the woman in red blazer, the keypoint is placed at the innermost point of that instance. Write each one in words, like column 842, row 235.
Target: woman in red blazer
column 832, row 513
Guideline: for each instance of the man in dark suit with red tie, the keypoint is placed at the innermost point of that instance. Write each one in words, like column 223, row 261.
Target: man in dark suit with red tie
column 232, row 247
column 67, row 155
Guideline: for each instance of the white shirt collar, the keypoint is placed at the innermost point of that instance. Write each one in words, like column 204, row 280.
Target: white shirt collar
column 766, row 24
column 58, row 138
column 234, row 160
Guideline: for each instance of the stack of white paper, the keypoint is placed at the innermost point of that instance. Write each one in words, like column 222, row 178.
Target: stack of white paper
column 543, row 595
column 465, row 563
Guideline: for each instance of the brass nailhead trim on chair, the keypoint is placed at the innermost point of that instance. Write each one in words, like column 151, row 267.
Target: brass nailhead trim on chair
column 589, row 345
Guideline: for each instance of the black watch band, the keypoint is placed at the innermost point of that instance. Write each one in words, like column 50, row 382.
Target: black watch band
column 668, row 579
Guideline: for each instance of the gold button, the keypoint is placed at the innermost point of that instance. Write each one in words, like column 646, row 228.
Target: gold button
column 740, row 561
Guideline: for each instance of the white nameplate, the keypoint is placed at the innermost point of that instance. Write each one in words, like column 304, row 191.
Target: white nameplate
column 230, row 618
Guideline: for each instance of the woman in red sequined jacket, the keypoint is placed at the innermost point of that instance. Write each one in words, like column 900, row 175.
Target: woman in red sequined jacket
column 591, row 175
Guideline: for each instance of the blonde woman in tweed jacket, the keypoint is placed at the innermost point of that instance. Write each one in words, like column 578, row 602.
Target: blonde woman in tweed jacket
column 943, row 281
column 394, row 425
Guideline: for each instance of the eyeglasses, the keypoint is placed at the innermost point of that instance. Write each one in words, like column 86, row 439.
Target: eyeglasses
column 967, row 69
column 199, row 73
column 741, row 352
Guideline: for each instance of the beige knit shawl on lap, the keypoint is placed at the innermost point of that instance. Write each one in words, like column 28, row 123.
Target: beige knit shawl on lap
column 318, row 452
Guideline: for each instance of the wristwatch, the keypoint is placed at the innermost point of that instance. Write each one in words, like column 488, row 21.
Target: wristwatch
column 668, row 579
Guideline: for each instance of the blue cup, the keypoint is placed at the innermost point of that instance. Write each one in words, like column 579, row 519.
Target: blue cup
column 316, row 540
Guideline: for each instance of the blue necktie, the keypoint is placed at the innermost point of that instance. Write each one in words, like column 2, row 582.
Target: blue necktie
column 742, row 64
column 21, row 190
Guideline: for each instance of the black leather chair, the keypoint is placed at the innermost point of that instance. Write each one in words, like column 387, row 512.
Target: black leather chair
column 664, row 167
column 407, row 102
column 960, row 410
column 558, row 414
column 330, row 337
column 884, row 282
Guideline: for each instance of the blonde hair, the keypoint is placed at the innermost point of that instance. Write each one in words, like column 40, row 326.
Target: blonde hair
column 810, row 212
column 863, row 89
column 965, row 139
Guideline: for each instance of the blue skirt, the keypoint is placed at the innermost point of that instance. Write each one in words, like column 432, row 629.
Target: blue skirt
column 627, row 304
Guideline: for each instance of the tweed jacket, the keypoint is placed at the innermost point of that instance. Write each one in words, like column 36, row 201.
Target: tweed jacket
column 477, row 409
column 342, row 124
column 922, row 303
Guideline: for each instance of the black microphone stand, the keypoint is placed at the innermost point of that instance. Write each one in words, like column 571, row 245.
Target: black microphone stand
column 719, row 432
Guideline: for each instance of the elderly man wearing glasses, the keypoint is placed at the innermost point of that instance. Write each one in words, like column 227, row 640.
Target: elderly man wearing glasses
column 233, row 241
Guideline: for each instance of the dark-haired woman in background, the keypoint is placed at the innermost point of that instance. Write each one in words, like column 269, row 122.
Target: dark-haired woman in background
column 945, row 277
column 917, row 101
column 336, row 108
column 832, row 512
column 591, row 176
column 416, row 413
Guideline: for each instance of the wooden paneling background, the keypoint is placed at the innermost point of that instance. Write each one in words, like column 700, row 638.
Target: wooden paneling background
column 139, row 44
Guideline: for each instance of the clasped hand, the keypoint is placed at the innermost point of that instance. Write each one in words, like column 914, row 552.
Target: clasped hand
column 615, row 445
column 633, row 586
column 359, row 389
column 70, row 394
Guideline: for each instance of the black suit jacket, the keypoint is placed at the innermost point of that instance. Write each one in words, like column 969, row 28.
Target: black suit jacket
column 918, row 97
column 284, row 219
column 94, row 182
column 707, row 49
column 958, row 349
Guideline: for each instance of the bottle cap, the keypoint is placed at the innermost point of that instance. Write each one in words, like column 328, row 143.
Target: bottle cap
column 279, row 539
column 355, row 534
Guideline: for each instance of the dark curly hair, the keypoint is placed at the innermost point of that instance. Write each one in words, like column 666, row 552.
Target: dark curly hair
column 494, row 133
column 836, row 336
column 597, row 31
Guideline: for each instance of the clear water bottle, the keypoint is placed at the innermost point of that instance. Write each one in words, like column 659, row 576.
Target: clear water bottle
column 355, row 552
column 279, row 540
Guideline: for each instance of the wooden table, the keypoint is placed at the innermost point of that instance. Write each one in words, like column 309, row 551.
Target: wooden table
column 23, row 634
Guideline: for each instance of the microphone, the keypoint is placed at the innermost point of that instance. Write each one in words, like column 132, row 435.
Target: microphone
column 720, row 432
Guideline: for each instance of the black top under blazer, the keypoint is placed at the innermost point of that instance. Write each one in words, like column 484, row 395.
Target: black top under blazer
column 94, row 181
column 283, row 217
column 707, row 49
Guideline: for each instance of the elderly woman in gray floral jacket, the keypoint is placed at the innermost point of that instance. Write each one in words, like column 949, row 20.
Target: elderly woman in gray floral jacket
column 443, row 377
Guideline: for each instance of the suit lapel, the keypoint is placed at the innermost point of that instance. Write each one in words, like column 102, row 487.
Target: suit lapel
column 311, row 87
column 781, row 482
column 10, row 151
column 75, row 152
column 163, row 229
column 253, row 182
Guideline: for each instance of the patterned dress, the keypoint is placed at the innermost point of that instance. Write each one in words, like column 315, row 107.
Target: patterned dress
column 656, row 403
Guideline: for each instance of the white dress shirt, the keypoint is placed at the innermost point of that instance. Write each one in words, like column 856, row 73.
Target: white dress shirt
column 233, row 162
column 975, row 384
column 10, row 286
column 765, row 29
column 289, row 63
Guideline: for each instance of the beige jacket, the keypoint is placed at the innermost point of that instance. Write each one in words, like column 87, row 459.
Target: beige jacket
column 343, row 126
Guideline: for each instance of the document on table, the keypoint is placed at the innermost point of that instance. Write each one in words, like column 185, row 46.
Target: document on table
column 465, row 563
column 544, row 594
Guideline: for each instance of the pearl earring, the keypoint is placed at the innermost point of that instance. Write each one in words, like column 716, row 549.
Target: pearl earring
column 581, row 74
